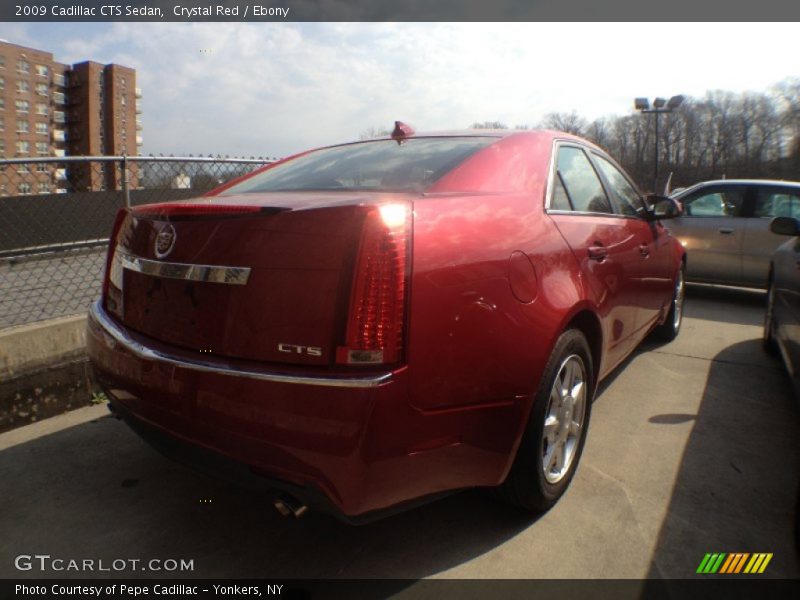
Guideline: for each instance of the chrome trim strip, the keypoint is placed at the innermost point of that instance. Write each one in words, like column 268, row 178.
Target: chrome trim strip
column 119, row 336
column 210, row 273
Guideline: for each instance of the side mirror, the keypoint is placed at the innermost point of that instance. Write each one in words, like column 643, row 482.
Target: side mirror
column 662, row 207
column 784, row 226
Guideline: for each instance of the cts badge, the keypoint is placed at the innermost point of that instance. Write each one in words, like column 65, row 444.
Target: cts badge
column 295, row 349
column 165, row 240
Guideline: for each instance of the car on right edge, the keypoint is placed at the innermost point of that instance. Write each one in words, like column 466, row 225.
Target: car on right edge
column 725, row 228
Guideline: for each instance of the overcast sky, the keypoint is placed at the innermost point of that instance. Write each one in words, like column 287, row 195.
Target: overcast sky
column 272, row 89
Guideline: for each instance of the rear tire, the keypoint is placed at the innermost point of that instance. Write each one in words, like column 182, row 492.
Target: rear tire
column 671, row 326
column 553, row 440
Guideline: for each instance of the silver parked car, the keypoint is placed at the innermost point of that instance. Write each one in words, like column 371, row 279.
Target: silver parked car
column 725, row 228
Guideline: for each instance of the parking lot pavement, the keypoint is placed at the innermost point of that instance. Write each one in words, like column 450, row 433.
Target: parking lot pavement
column 693, row 448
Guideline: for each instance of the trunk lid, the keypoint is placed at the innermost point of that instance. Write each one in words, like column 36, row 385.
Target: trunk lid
column 263, row 277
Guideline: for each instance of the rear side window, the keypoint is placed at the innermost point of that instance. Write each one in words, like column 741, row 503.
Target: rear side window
column 625, row 195
column 777, row 203
column 580, row 183
column 382, row 165
column 717, row 203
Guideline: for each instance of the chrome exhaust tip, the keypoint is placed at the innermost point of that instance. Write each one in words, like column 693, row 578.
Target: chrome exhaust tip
column 289, row 506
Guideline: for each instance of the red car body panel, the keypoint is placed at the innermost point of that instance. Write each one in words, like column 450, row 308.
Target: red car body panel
column 492, row 281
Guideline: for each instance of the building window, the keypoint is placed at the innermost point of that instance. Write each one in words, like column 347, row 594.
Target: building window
column 23, row 126
column 23, row 147
column 23, row 87
column 23, row 66
column 41, row 167
column 2, row 82
column 42, row 71
column 41, row 128
column 24, row 188
column 59, row 80
column 42, row 108
column 23, row 168
column 59, row 98
column 42, row 150
column 2, row 103
column 23, row 106
column 2, row 124
column 41, row 89
column 2, row 147
column 3, row 190
column 44, row 188
column 2, row 62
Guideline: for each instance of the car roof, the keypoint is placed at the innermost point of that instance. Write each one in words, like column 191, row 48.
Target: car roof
column 782, row 182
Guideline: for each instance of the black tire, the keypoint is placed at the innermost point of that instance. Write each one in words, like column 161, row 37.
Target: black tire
column 527, row 485
column 671, row 326
column 768, row 339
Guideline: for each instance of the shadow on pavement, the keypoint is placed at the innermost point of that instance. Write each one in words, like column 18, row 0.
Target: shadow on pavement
column 127, row 501
column 740, row 466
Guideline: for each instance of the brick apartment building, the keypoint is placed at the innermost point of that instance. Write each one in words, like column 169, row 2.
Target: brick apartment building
column 52, row 109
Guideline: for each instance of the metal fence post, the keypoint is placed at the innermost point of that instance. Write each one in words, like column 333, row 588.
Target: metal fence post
column 125, row 191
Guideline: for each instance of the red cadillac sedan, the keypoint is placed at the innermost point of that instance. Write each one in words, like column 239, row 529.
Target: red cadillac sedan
column 367, row 326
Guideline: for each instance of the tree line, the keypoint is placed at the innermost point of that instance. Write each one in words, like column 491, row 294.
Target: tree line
column 723, row 135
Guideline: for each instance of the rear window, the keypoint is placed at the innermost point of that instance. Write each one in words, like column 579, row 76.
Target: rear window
column 382, row 165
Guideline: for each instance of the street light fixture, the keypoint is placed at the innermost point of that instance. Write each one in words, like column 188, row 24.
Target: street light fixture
column 643, row 105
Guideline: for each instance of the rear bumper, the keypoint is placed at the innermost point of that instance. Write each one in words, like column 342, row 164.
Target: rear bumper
column 349, row 445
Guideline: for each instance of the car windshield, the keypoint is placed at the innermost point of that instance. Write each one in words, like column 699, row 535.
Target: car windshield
column 382, row 165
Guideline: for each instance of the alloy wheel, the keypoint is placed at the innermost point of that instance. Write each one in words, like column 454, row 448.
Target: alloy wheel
column 564, row 419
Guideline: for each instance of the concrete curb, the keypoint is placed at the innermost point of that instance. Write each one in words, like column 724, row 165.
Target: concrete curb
column 28, row 348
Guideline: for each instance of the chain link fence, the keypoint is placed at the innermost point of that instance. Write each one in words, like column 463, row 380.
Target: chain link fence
column 56, row 215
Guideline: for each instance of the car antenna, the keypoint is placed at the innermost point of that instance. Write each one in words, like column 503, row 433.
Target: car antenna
column 401, row 131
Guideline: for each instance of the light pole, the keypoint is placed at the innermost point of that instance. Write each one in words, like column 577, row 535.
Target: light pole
column 643, row 105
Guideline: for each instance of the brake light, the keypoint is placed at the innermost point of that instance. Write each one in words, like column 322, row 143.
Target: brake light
column 376, row 319
column 112, row 298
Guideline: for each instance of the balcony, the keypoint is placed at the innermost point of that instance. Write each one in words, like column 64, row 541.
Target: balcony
column 59, row 135
column 59, row 98
column 60, row 174
column 59, row 80
column 59, row 152
column 139, row 141
column 138, row 108
column 59, row 116
column 138, row 92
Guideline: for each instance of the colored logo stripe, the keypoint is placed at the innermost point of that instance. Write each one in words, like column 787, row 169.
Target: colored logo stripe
column 721, row 562
column 758, row 563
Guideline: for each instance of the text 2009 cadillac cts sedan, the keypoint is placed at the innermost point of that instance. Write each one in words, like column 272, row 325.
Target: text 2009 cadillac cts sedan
column 370, row 325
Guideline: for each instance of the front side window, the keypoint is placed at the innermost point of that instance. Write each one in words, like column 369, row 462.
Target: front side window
column 382, row 165
column 581, row 185
column 625, row 195
column 714, row 203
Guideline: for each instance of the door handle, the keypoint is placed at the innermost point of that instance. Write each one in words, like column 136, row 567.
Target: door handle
column 598, row 253
column 644, row 250
column 726, row 230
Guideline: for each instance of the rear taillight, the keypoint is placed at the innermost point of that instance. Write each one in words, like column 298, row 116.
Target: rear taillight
column 376, row 318
column 112, row 285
